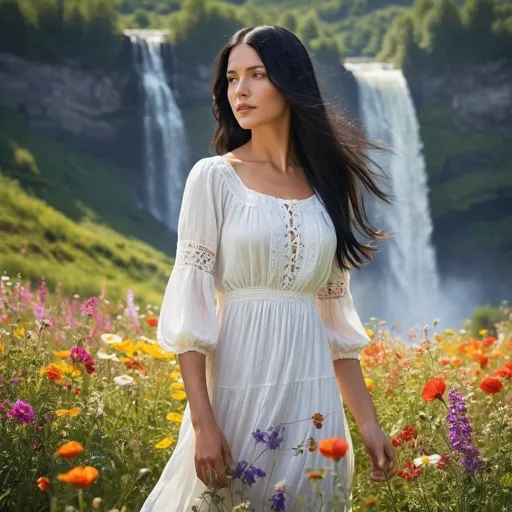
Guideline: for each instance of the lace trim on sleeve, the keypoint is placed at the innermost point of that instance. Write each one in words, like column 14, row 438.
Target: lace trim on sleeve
column 333, row 290
column 192, row 254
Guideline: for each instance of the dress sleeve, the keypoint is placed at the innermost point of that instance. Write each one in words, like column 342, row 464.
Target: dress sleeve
column 345, row 332
column 188, row 314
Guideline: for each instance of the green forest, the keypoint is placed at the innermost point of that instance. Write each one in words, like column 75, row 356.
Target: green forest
column 423, row 33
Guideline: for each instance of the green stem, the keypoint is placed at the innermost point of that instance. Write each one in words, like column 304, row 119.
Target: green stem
column 81, row 503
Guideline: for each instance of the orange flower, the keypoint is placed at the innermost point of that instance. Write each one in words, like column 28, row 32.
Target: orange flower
column 370, row 502
column 434, row 388
column 315, row 475
column 54, row 373
column 79, row 476
column 70, row 450
column 503, row 372
column 491, row 385
column 489, row 341
column 152, row 321
column 334, row 448
column 43, row 483
column 75, row 411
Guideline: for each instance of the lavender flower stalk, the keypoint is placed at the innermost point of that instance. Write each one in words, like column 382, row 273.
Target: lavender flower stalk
column 460, row 431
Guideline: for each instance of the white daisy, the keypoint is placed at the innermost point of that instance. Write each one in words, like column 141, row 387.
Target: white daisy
column 110, row 338
column 104, row 355
column 426, row 459
column 5, row 278
column 124, row 380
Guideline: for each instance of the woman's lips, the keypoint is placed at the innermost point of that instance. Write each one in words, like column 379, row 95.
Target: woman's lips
column 246, row 109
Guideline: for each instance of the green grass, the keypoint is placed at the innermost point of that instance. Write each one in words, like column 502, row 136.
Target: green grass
column 79, row 186
column 70, row 218
column 36, row 240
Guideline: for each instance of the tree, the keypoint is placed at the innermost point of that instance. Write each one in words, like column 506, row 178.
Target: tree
column 309, row 28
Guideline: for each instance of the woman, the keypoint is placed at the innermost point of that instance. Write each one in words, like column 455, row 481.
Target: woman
column 258, row 305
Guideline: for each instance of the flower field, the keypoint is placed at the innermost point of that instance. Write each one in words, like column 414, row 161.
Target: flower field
column 90, row 411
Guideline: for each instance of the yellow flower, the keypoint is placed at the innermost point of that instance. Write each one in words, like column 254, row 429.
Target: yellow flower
column 175, row 374
column 483, row 332
column 369, row 383
column 61, row 353
column 1, row 349
column 157, row 352
column 370, row 333
column 125, row 346
column 164, row 443
column 75, row 411
column 177, row 386
column 175, row 416
column 449, row 332
column 179, row 395
column 19, row 333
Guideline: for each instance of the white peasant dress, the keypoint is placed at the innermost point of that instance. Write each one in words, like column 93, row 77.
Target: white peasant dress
column 256, row 289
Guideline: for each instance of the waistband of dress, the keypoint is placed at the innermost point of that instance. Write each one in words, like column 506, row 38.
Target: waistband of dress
column 259, row 293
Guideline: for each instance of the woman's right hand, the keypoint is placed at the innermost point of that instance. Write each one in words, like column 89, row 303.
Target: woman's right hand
column 212, row 456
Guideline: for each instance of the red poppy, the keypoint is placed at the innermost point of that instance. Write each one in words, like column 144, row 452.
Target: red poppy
column 491, row 385
column 334, row 448
column 434, row 388
column 152, row 321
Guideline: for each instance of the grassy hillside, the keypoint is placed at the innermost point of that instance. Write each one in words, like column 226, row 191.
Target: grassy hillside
column 72, row 219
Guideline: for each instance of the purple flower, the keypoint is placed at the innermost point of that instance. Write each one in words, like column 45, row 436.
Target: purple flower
column 240, row 467
column 277, row 501
column 89, row 307
column 250, row 475
column 270, row 437
column 460, row 431
column 22, row 412
column 80, row 355
column 39, row 311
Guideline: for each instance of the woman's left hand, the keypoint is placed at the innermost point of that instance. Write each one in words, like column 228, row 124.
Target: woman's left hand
column 381, row 452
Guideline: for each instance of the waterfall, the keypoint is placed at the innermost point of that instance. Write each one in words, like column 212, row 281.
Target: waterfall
column 166, row 152
column 403, row 285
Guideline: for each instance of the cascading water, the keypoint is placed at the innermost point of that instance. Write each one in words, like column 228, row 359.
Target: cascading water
column 403, row 285
column 165, row 143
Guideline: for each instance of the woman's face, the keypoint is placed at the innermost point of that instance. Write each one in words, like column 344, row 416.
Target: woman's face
column 248, row 83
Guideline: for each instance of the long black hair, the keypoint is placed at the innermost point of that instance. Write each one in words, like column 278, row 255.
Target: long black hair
column 331, row 150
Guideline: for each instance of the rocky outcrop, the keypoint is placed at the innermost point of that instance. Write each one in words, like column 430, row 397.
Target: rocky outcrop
column 61, row 97
column 480, row 96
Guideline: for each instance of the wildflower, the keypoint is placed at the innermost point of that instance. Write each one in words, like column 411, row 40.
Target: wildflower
column 152, row 321
column 370, row 501
column 460, row 431
column 79, row 476
column 449, row 332
column 97, row 503
column 43, row 483
column 22, row 412
column 177, row 386
column 315, row 475
column 312, row 445
column 369, row 384
column 61, row 353
column 175, row 416
column 434, row 388
column 248, row 476
column 318, row 419
column 103, row 355
column 491, row 385
column 124, row 380
column 134, row 364
column 408, row 434
column 38, row 446
column 179, row 395
column 426, row 459
column 72, row 413
column 277, row 502
column 334, row 448
column 280, row 486
column 164, row 443
column 109, row 338
column 80, row 355
column 53, row 373
column 410, row 472
column 70, row 449
column 89, row 307
column 443, row 462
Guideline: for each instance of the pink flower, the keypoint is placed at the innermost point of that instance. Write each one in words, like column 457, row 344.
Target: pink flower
column 22, row 412
column 89, row 306
column 80, row 355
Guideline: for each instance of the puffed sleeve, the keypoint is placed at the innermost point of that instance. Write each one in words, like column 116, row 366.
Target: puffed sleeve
column 345, row 332
column 187, row 318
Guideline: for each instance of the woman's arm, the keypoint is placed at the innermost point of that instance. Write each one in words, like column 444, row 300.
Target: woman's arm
column 193, row 371
column 354, row 392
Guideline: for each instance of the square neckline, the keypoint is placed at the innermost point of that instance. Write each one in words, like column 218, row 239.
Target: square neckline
column 269, row 196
